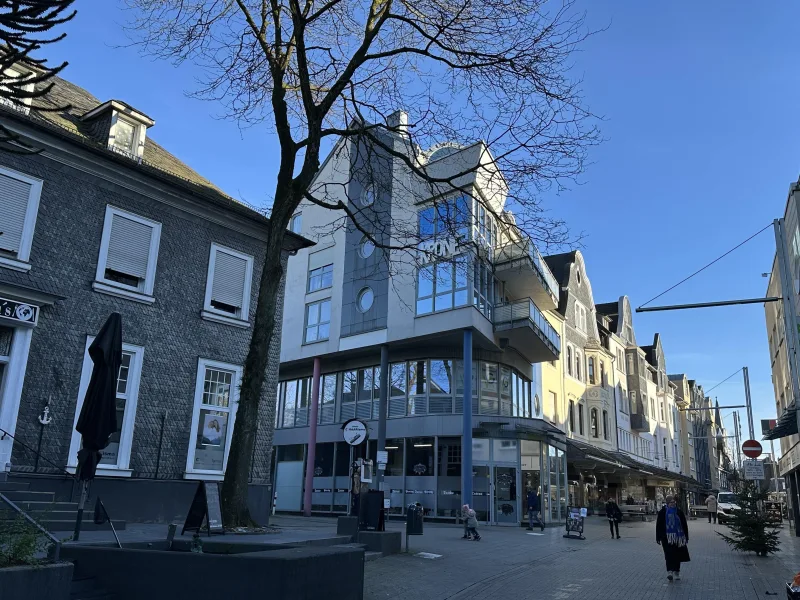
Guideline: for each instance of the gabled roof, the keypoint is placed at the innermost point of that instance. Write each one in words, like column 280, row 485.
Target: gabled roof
column 156, row 161
column 558, row 264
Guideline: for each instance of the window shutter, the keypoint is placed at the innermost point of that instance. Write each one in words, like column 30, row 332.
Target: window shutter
column 230, row 275
column 14, row 196
column 129, row 246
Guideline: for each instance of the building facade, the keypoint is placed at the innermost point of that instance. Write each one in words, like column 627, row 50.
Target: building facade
column 460, row 320
column 105, row 220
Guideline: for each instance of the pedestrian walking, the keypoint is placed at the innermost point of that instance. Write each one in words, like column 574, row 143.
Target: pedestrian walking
column 614, row 515
column 672, row 534
column 472, row 525
column 711, row 505
column 534, row 508
column 465, row 518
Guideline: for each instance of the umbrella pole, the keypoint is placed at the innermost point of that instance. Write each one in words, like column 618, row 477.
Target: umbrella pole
column 76, row 535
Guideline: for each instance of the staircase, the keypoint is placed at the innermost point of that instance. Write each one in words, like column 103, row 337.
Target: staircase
column 43, row 508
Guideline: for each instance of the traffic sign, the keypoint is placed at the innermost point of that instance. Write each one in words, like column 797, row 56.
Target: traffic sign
column 752, row 449
column 753, row 469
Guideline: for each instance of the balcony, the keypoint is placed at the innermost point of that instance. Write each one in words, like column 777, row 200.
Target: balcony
column 640, row 423
column 526, row 329
column 520, row 266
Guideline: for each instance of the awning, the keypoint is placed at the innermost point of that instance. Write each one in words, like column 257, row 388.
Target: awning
column 787, row 424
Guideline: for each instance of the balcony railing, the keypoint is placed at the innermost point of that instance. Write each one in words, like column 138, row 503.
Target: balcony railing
column 527, row 249
column 525, row 312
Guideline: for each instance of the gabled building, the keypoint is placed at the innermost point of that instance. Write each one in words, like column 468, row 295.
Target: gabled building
column 105, row 220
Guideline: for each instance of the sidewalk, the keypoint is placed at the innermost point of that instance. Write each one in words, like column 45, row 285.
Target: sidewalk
column 514, row 564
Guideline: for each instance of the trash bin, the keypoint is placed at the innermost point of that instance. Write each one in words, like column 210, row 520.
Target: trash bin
column 414, row 514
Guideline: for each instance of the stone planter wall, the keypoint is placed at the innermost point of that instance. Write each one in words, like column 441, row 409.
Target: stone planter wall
column 45, row 582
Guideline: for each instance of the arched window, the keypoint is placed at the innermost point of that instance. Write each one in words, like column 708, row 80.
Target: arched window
column 569, row 360
column 577, row 364
column 580, row 419
column 591, row 370
column 572, row 416
column 602, row 373
column 593, row 422
column 605, row 425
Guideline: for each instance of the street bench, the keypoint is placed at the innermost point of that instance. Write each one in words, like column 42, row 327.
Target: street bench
column 634, row 512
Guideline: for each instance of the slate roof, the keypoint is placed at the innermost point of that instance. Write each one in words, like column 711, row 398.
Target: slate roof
column 559, row 264
column 156, row 161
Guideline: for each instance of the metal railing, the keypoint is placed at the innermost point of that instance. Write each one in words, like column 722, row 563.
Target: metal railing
column 527, row 249
column 526, row 311
column 53, row 539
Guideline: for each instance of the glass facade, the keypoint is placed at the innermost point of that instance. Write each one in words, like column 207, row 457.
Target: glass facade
column 428, row 470
column 417, row 388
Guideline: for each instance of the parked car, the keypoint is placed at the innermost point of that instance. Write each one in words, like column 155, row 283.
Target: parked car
column 726, row 504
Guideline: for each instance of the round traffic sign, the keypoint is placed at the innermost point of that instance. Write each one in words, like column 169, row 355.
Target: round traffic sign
column 752, row 449
column 355, row 432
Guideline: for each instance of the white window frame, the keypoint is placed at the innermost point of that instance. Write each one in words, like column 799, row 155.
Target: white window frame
column 121, row 469
column 233, row 405
column 321, row 269
column 138, row 137
column 22, row 262
column 305, row 321
column 114, row 288
column 296, row 216
column 209, row 313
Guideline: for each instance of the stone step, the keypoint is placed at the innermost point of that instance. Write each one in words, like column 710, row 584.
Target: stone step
column 23, row 496
column 42, row 506
column 13, row 486
column 370, row 556
column 69, row 525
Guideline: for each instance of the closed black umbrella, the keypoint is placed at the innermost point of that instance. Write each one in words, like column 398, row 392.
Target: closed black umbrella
column 98, row 418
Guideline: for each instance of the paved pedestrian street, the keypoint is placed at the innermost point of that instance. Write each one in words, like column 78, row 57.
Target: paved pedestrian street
column 512, row 563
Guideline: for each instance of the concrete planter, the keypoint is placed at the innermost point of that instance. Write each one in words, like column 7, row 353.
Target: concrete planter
column 42, row 582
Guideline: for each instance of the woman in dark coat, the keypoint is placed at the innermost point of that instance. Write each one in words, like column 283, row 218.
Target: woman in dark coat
column 672, row 534
column 614, row 515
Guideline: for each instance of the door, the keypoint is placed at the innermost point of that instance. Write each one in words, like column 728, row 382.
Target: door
column 505, row 496
column 289, row 485
column 481, row 490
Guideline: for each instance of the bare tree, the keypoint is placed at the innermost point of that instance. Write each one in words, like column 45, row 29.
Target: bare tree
column 25, row 28
column 315, row 71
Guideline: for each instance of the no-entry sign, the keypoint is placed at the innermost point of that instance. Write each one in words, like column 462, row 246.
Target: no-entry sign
column 752, row 449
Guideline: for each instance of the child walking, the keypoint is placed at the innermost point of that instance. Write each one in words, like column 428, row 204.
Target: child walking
column 472, row 525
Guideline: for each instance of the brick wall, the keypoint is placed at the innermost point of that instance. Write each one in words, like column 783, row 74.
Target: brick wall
column 64, row 257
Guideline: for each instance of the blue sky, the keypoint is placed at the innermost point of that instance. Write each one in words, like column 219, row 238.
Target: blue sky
column 699, row 100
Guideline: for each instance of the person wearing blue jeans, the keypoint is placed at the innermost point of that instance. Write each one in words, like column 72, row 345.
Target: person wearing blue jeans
column 534, row 506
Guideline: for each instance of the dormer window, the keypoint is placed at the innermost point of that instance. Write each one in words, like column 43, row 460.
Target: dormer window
column 23, row 105
column 122, row 128
column 124, row 136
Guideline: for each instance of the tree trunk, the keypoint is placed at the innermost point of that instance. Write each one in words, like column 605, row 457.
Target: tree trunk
column 235, row 511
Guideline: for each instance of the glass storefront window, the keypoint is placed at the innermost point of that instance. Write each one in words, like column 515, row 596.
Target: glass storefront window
column 458, row 367
column 290, row 403
column 214, row 415
column 552, row 464
column 505, row 451
column 420, row 480
column 342, row 459
column 397, row 390
column 323, row 460
column 531, row 472
column 562, row 471
column 393, row 477
column 348, row 405
column 328, row 399
column 480, row 450
column 448, row 482
column 364, row 398
column 303, row 399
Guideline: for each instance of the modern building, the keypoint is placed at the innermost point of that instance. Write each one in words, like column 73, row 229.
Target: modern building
column 456, row 298
column 105, row 220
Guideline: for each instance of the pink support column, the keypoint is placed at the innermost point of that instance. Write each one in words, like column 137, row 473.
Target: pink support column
column 311, row 455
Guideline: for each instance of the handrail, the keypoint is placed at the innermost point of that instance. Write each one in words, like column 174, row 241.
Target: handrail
column 529, row 249
column 32, row 521
column 39, row 454
column 532, row 314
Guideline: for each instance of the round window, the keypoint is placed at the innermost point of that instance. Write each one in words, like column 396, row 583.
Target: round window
column 367, row 247
column 367, row 195
column 365, row 299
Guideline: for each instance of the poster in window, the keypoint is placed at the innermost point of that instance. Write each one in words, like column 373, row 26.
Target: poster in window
column 213, row 430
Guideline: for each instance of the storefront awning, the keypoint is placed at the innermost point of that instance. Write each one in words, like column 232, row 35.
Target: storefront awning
column 787, row 424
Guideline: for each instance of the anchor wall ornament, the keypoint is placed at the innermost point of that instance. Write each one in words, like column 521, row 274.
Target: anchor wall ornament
column 45, row 417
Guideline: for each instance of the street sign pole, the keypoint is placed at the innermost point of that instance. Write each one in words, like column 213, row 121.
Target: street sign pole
column 749, row 403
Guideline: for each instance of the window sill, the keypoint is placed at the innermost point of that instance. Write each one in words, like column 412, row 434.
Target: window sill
column 14, row 264
column 208, row 315
column 200, row 476
column 105, row 288
column 106, row 471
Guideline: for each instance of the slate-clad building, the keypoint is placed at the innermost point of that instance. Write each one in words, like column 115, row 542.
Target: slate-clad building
column 102, row 220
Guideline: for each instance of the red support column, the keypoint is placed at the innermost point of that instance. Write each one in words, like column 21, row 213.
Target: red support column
column 311, row 454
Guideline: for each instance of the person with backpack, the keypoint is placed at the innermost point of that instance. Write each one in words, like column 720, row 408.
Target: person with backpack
column 614, row 515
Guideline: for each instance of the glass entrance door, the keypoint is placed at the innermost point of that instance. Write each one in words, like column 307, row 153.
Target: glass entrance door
column 481, row 492
column 505, row 496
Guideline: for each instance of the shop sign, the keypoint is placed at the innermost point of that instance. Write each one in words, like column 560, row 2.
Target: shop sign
column 19, row 312
column 354, row 432
column 443, row 248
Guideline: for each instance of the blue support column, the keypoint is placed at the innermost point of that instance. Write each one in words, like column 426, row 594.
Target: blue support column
column 466, row 438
